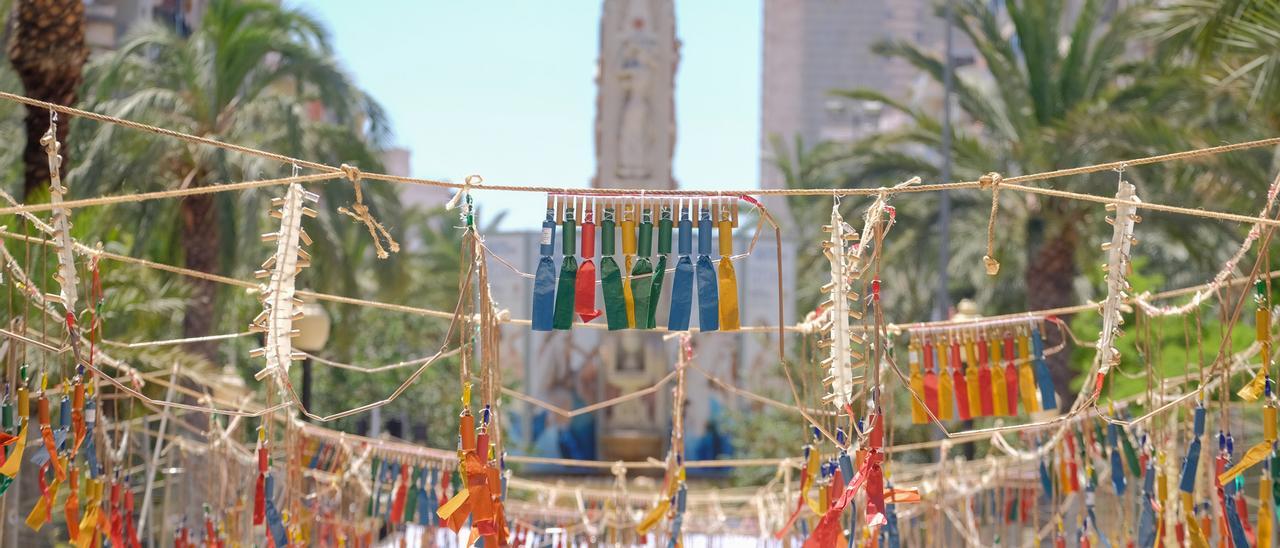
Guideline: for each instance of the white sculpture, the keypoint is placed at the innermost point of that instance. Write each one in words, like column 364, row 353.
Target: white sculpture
column 635, row 77
column 635, row 129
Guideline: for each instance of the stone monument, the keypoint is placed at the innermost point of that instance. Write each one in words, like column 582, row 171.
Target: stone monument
column 635, row 101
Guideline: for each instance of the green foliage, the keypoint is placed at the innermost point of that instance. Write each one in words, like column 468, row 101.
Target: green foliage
column 263, row 76
column 1174, row 346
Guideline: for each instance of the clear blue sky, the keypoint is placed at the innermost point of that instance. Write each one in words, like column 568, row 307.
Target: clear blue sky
column 505, row 89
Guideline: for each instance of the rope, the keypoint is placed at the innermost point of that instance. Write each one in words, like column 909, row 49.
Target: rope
column 163, row 194
column 201, row 275
column 1009, row 182
column 360, row 212
column 1203, row 213
column 992, row 180
column 170, row 342
column 72, row 111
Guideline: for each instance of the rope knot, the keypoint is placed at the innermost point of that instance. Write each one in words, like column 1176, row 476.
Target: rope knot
column 352, row 173
column 991, row 181
column 360, row 212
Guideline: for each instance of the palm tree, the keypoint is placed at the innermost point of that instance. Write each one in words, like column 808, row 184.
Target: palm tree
column 46, row 48
column 251, row 73
column 1050, row 93
column 1236, row 43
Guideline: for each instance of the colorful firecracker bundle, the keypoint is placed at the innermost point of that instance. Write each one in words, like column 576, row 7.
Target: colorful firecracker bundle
column 632, row 289
column 979, row 369
column 483, row 485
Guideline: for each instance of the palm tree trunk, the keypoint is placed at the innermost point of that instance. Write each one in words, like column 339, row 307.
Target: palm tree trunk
column 47, row 49
column 1050, row 280
column 200, row 245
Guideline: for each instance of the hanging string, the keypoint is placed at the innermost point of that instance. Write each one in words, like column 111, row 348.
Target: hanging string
column 992, row 181
column 360, row 212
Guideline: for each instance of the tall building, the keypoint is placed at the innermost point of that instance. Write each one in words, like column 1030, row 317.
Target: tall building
column 108, row 21
column 812, row 47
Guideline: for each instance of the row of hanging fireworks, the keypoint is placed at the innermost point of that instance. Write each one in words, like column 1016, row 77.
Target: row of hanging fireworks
column 979, row 369
column 631, row 292
column 99, row 503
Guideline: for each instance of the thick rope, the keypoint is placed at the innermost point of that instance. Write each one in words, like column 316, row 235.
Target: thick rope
column 1009, row 182
column 360, row 212
column 175, row 193
column 992, row 181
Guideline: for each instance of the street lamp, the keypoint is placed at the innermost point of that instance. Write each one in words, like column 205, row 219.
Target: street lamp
column 313, row 332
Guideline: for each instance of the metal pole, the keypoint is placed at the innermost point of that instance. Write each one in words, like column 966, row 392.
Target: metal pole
column 942, row 298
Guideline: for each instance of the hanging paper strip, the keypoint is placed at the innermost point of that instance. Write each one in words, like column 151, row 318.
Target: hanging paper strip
column 660, row 271
column 130, row 530
column 918, row 416
column 1070, row 479
column 708, row 299
column 628, row 225
column 946, row 391
column 972, row 379
column 615, row 304
column 930, row 378
column 728, row 278
column 1046, row 484
column 875, row 474
column 1254, row 388
column 426, row 502
column 1234, row 523
column 411, row 494
column 544, row 279
column 682, row 286
column 399, row 494
column 46, row 433
column 1092, row 516
column 961, row 384
column 999, row 388
column 642, row 272
column 114, row 522
column 260, row 490
column 1258, row 452
column 1130, row 455
column 985, row 391
column 42, row 512
column 13, row 462
column 1117, row 465
column 891, row 526
column 1242, row 510
column 275, row 522
column 1187, row 483
column 1010, row 375
column 88, row 525
column 77, row 415
column 584, row 301
column 1147, row 517
column 1026, row 378
column 1048, row 398
column 6, row 447
column 677, row 521
column 71, row 508
column 565, row 288
column 1195, row 533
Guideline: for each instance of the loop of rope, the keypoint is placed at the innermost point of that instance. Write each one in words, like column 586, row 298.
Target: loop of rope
column 992, row 181
column 360, row 212
column 470, row 181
